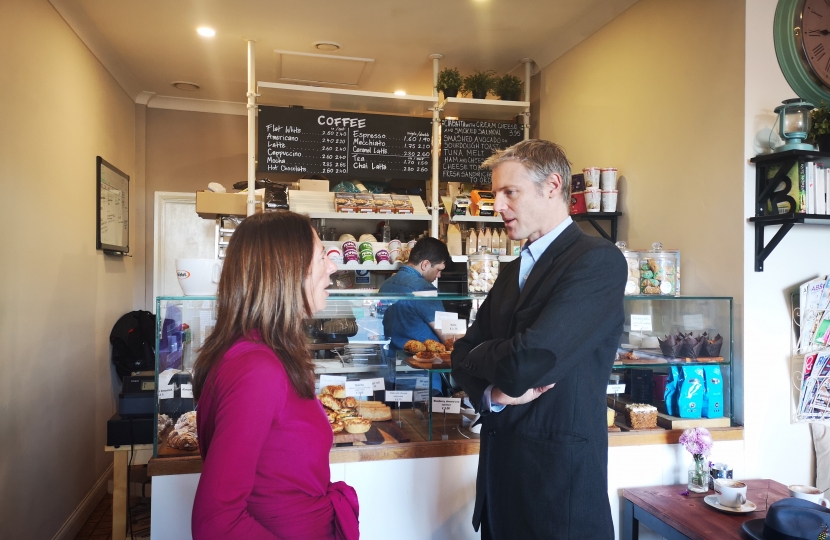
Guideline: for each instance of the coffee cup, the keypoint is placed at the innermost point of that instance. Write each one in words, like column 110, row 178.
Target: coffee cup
column 808, row 493
column 198, row 277
column 593, row 199
column 731, row 493
column 608, row 179
column 609, row 201
column 592, row 175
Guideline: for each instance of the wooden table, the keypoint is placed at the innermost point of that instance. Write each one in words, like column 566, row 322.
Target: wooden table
column 678, row 517
column 120, row 489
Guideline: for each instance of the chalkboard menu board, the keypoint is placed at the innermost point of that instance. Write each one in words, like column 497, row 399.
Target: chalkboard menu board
column 343, row 145
column 466, row 144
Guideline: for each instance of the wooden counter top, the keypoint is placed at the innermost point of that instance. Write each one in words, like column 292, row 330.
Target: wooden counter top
column 457, row 444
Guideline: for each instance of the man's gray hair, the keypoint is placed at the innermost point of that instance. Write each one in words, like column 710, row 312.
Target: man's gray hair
column 541, row 158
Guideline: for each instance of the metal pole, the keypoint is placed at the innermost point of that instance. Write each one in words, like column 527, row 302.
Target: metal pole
column 528, row 68
column 251, row 128
column 436, row 136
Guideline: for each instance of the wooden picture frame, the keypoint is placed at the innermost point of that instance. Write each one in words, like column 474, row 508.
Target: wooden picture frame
column 112, row 209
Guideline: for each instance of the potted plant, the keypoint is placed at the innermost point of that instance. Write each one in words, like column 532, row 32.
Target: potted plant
column 479, row 83
column 508, row 87
column 449, row 82
column 820, row 127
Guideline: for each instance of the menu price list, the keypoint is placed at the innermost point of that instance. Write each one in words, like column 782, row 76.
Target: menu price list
column 466, row 144
column 343, row 145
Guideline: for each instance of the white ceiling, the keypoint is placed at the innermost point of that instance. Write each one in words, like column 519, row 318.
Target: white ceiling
column 147, row 44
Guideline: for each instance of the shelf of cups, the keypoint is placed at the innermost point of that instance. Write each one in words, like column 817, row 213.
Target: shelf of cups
column 356, row 265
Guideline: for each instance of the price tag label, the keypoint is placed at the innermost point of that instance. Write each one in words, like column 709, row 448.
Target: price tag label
column 377, row 384
column 616, row 389
column 399, row 396
column 421, row 383
column 441, row 316
column 640, row 323
column 359, row 388
column 166, row 391
column 420, row 395
column 332, row 380
column 446, row 405
column 693, row 322
column 458, row 326
column 187, row 391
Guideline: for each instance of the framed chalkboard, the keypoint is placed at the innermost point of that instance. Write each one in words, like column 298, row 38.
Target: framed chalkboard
column 113, row 209
column 466, row 144
column 343, row 145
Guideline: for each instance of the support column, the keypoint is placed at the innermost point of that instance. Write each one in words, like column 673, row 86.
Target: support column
column 251, row 128
column 528, row 72
column 436, row 137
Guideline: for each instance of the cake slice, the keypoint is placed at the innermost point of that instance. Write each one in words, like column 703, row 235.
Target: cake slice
column 641, row 415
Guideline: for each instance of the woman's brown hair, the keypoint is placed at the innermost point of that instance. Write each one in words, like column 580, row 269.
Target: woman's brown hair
column 262, row 290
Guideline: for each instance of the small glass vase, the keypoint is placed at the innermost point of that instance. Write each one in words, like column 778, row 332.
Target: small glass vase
column 699, row 475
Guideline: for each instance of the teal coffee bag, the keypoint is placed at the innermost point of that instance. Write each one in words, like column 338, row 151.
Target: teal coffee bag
column 690, row 395
column 713, row 398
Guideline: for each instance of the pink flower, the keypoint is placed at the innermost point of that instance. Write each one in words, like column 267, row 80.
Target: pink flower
column 697, row 441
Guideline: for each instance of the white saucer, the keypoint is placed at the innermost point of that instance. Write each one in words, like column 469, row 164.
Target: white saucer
column 712, row 500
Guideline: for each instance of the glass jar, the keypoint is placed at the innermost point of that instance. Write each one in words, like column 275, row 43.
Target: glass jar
column 658, row 271
column 482, row 271
column 699, row 475
column 632, row 259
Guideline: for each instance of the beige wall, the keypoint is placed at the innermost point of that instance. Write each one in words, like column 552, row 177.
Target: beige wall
column 184, row 152
column 658, row 93
column 59, row 296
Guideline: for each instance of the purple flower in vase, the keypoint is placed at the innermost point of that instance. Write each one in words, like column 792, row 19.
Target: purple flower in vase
column 697, row 441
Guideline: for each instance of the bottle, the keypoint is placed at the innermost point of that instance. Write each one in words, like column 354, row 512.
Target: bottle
column 502, row 242
column 472, row 243
column 488, row 240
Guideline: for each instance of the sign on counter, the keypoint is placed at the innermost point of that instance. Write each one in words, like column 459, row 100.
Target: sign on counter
column 399, row 396
column 446, row 405
column 343, row 145
column 167, row 391
column 187, row 391
column 640, row 323
column 466, row 144
column 377, row 384
column 332, row 380
column 359, row 388
column 616, row 389
column 420, row 395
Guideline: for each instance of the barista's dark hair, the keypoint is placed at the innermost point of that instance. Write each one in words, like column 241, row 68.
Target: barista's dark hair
column 262, row 291
column 429, row 249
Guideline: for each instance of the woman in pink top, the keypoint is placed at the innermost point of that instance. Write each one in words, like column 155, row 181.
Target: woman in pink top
column 263, row 435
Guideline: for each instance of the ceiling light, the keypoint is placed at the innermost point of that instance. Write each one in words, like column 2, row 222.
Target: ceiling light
column 184, row 85
column 326, row 46
column 400, row 92
column 206, row 31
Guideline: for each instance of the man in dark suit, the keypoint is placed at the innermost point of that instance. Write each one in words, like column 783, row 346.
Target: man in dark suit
column 537, row 359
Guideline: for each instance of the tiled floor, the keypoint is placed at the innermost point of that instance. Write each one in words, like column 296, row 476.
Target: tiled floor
column 99, row 524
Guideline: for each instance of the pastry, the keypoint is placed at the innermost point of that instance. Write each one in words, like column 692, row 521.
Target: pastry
column 187, row 422
column 641, row 415
column 348, row 402
column 425, row 355
column 445, row 356
column 357, row 425
column 183, row 440
column 337, row 427
column 610, row 413
column 376, row 414
column 329, row 402
column 449, row 343
column 331, row 415
column 413, row 346
column 434, row 346
column 346, row 413
column 335, row 390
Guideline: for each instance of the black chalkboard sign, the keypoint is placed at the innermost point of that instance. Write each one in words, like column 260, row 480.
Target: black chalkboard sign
column 466, row 144
column 343, row 145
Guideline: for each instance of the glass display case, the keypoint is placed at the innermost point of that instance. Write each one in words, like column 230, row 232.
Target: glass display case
column 675, row 354
column 350, row 350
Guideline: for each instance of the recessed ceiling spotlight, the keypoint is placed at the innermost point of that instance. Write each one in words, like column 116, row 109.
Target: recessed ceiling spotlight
column 184, row 85
column 206, row 31
column 400, row 92
column 326, row 46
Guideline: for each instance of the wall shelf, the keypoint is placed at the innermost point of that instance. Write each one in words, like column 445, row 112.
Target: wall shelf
column 320, row 204
column 485, row 109
column 447, row 202
column 595, row 217
column 338, row 99
column 767, row 199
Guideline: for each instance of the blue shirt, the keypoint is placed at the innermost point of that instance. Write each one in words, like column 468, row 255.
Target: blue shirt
column 409, row 319
column 530, row 255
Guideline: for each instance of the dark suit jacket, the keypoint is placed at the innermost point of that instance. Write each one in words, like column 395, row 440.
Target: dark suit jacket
column 542, row 469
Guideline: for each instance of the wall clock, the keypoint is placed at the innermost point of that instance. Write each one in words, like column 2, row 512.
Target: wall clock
column 801, row 32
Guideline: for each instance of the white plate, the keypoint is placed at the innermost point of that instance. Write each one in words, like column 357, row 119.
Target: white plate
column 748, row 506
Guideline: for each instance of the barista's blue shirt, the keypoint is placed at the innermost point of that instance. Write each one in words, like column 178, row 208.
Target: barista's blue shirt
column 407, row 319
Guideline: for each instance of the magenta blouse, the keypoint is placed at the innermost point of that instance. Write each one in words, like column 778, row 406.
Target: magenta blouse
column 266, row 457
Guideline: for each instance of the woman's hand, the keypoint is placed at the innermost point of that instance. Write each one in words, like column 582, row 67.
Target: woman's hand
column 500, row 398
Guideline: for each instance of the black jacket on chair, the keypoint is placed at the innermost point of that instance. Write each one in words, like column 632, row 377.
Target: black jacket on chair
column 542, row 471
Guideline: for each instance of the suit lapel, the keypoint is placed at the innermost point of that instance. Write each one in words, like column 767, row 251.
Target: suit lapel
column 540, row 269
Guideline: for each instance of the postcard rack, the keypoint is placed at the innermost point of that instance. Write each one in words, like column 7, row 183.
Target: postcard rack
column 810, row 368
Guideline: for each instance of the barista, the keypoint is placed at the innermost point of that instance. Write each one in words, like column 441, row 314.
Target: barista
column 407, row 320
